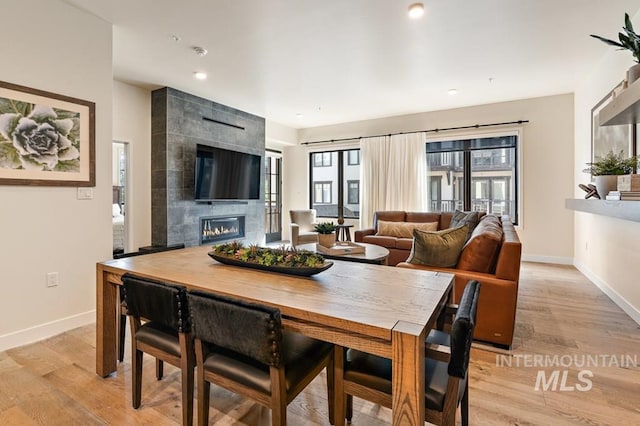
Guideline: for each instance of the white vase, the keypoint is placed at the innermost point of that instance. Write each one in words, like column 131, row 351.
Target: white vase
column 606, row 183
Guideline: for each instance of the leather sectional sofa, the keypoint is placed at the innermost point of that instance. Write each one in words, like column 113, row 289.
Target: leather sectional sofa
column 496, row 265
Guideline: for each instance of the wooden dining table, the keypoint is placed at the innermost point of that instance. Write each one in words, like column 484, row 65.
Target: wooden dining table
column 377, row 309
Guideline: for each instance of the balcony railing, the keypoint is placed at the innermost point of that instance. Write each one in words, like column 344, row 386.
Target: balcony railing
column 498, row 207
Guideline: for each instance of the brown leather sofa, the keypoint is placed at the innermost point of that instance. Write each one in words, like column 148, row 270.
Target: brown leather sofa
column 499, row 286
column 399, row 248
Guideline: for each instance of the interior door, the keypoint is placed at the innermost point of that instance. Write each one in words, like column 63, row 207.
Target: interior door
column 273, row 197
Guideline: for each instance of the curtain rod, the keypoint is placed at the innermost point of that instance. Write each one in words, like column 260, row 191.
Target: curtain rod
column 436, row 130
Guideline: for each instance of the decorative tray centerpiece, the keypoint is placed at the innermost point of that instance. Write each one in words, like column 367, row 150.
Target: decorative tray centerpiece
column 341, row 248
column 282, row 259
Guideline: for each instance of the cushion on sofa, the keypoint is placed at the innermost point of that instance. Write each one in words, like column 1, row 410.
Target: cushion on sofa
column 386, row 242
column 438, row 248
column 461, row 218
column 404, row 243
column 422, row 217
column 403, row 229
column 479, row 254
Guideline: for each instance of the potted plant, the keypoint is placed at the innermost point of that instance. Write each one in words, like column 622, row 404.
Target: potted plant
column 606, row 170
column 326, row 233
column 629, row 40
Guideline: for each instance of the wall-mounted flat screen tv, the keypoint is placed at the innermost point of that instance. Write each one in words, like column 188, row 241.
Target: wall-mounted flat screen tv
column 222, row 174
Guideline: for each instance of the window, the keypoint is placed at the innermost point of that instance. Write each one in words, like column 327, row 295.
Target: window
column 353, row 191
column 322, row 192
column 322, row 159
column 334, row 183
column 353, row 157
column 475, row 175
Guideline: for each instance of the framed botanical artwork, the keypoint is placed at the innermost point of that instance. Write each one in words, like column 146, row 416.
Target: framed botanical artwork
column 45, row 139
column 617, row 138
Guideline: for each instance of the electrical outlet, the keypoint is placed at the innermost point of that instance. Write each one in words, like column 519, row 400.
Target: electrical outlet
column 52, row 279
column 85, row 193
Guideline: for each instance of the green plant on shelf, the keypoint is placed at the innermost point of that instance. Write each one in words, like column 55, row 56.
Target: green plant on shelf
column 629, row 40
column 281, row 256
column 612, row 164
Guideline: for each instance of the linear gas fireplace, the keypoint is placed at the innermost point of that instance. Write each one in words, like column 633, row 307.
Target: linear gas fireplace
column 216, row 229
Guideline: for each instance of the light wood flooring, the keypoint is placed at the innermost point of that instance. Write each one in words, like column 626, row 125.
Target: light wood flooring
column 560, row 312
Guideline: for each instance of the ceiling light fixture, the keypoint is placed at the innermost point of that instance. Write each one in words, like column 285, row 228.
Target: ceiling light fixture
column 416, row 10
column 200, row 75
column 200, row 51
column 299, row 115
column 176, row 38
column 452, row 91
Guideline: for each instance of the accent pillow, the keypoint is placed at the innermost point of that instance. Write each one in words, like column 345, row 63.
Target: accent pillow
column 439, row 248
column 403, row 229
column 462, row 218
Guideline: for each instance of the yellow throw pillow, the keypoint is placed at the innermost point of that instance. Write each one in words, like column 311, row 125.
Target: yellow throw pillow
column 403, row 229
column 440, row 248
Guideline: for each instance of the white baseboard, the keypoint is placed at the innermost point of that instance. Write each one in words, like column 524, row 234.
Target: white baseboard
column 547, row 259
column 622, row 303
column 44, row 331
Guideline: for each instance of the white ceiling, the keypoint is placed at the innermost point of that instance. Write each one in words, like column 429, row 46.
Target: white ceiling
column 343, row 60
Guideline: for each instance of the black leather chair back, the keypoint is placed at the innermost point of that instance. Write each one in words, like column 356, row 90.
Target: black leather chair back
column 162, row 303
column 462, row 330
column 245, row 328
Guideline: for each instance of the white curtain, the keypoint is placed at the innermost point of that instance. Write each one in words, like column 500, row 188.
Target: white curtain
column 407, row 175
column 374, row 158
column 393, row 175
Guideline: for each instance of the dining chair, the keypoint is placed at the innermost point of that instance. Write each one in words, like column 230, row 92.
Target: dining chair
column 123, row 306
column 243, row 348
column 446, row 364
column 165, row 334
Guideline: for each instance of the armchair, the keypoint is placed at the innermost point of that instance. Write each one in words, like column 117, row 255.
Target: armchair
column 302, row 224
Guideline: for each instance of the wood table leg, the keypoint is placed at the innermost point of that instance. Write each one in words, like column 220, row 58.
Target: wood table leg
column 106, row 311
column 407, row 342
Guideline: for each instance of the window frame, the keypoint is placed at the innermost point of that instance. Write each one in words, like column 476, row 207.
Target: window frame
column 340, row 180
column 322, row 182
column 518, row 174
column 357, row 190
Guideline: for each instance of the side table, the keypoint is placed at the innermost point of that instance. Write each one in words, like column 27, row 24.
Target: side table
column 343, row 232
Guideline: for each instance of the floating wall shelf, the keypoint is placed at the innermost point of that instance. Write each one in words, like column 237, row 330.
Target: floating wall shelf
column 624, row 108
column 626, row 210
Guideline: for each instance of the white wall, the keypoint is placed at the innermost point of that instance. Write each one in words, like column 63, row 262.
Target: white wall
column 132, row 124
column 606, row 249
column 546, row 228
column 47, row 229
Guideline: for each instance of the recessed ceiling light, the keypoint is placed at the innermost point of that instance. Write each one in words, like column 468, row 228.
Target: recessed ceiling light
column 200, row 75
column 452, row 91
column 200, row 51
column 176, row 38
column 416, row 10
column 299, row 115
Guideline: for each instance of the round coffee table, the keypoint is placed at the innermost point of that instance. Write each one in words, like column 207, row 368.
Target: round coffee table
column 372, row 254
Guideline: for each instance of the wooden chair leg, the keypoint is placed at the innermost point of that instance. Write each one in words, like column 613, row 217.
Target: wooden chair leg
column 187, row 396
column 204, row 390
column 121, row 337
column 187, row 362
column 136, row 376
column 159, row 369
column 349, row 411
column 278, row 397
column 464, row 407
column 338, row 392
column 331, row 389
